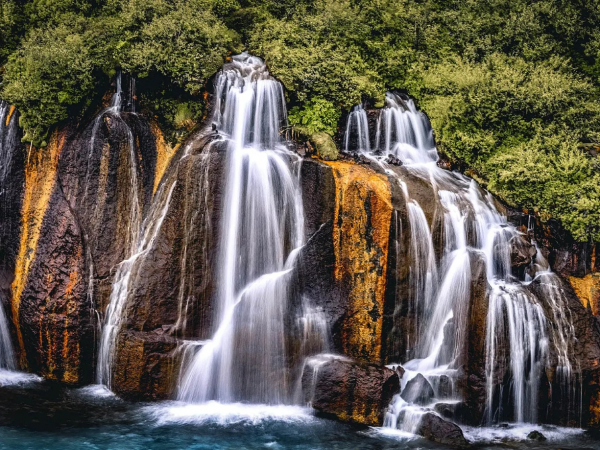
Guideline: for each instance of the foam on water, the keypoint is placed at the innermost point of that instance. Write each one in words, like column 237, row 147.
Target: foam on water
column 96, row 391
column 227, row 413
column 518, row 432
column 12, row 378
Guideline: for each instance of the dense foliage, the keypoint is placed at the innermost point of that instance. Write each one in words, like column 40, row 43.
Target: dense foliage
column 510, row 86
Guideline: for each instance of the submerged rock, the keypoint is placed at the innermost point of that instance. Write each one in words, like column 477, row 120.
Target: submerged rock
column 436, row 429
column 418, row 390
column 349, row 391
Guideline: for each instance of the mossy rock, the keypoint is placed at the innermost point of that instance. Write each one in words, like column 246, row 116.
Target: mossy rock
column 326, row 148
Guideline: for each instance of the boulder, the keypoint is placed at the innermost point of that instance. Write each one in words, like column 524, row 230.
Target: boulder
column 436, row 429
column 349, row 391
column 326, row 148
column 452, row 410
column 418, row 390
column 535, row 435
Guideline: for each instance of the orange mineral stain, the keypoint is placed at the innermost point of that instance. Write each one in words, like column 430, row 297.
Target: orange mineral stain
column 363, row 212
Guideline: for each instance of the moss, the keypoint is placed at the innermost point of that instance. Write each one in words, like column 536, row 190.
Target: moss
column 325, row 146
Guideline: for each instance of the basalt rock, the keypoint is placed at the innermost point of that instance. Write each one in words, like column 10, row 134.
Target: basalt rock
column 350, row 391
column 146, row 365
column 455, row 411
column 418, row 390
column 76, row 227
column 436, row 429
column 472, row 380
column 343, row 264
column 583, row 348
column 521, row 252
column 172, row 284
column 361, row 225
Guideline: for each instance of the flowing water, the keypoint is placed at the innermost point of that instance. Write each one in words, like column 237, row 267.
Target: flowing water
column 136, row 245
column 8, row 144
column 262, row 231
column 518, row 336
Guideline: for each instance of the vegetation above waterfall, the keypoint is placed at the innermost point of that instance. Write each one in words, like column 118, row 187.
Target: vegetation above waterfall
column 511, row 87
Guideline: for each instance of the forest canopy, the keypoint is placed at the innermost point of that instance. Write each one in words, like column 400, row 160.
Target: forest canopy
column 510, row 86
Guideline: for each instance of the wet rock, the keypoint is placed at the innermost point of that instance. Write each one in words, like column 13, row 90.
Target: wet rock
column 418, row 390
column 146, row 365
column 347, row 254
column 172, row 284
column 444, row 387
column 471, row 379
column 350, row 391
column 436, row 429
column 453, row 411
column 536, row 436
column 393, row 160
column 521, row 251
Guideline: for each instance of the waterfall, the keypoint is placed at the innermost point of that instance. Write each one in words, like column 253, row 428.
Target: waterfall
column 357, row 126
column 405, row 132
column 518, row 335
column 261, row 233
column 134, row 247
column 8, row 144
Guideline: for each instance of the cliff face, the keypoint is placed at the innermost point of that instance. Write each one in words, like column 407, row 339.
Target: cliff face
column 74, row 230
column 77, row 200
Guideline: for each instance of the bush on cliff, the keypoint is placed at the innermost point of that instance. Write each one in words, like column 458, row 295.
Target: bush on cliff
column 511, row 86
column 62, row 65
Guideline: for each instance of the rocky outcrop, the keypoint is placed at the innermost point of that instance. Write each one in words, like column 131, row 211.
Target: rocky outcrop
column 471, row 383
column 76, row 226
column 349, row 391
column 348, row 211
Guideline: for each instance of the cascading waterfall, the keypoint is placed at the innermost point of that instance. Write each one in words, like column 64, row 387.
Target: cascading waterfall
column 517, row 339
column 8, row 136
column 134, row 246
column 423, row 276
column 260, row 238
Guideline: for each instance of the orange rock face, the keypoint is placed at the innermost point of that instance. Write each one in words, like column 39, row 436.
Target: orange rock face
column 588, row 291
column 40, row 178
column 363, row 211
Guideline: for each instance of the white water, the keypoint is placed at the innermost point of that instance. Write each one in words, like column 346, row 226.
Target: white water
column 262, row 231
column 517, row 338
column 357, row 127
column 8, row 134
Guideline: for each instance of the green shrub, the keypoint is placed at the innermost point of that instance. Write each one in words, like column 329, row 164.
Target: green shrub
column 47, row 78
column 317, row 115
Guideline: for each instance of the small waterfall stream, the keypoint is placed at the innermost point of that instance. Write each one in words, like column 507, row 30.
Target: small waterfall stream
column 518, row 337
column 8, row 136
column 134, row 246
column 262, row 231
